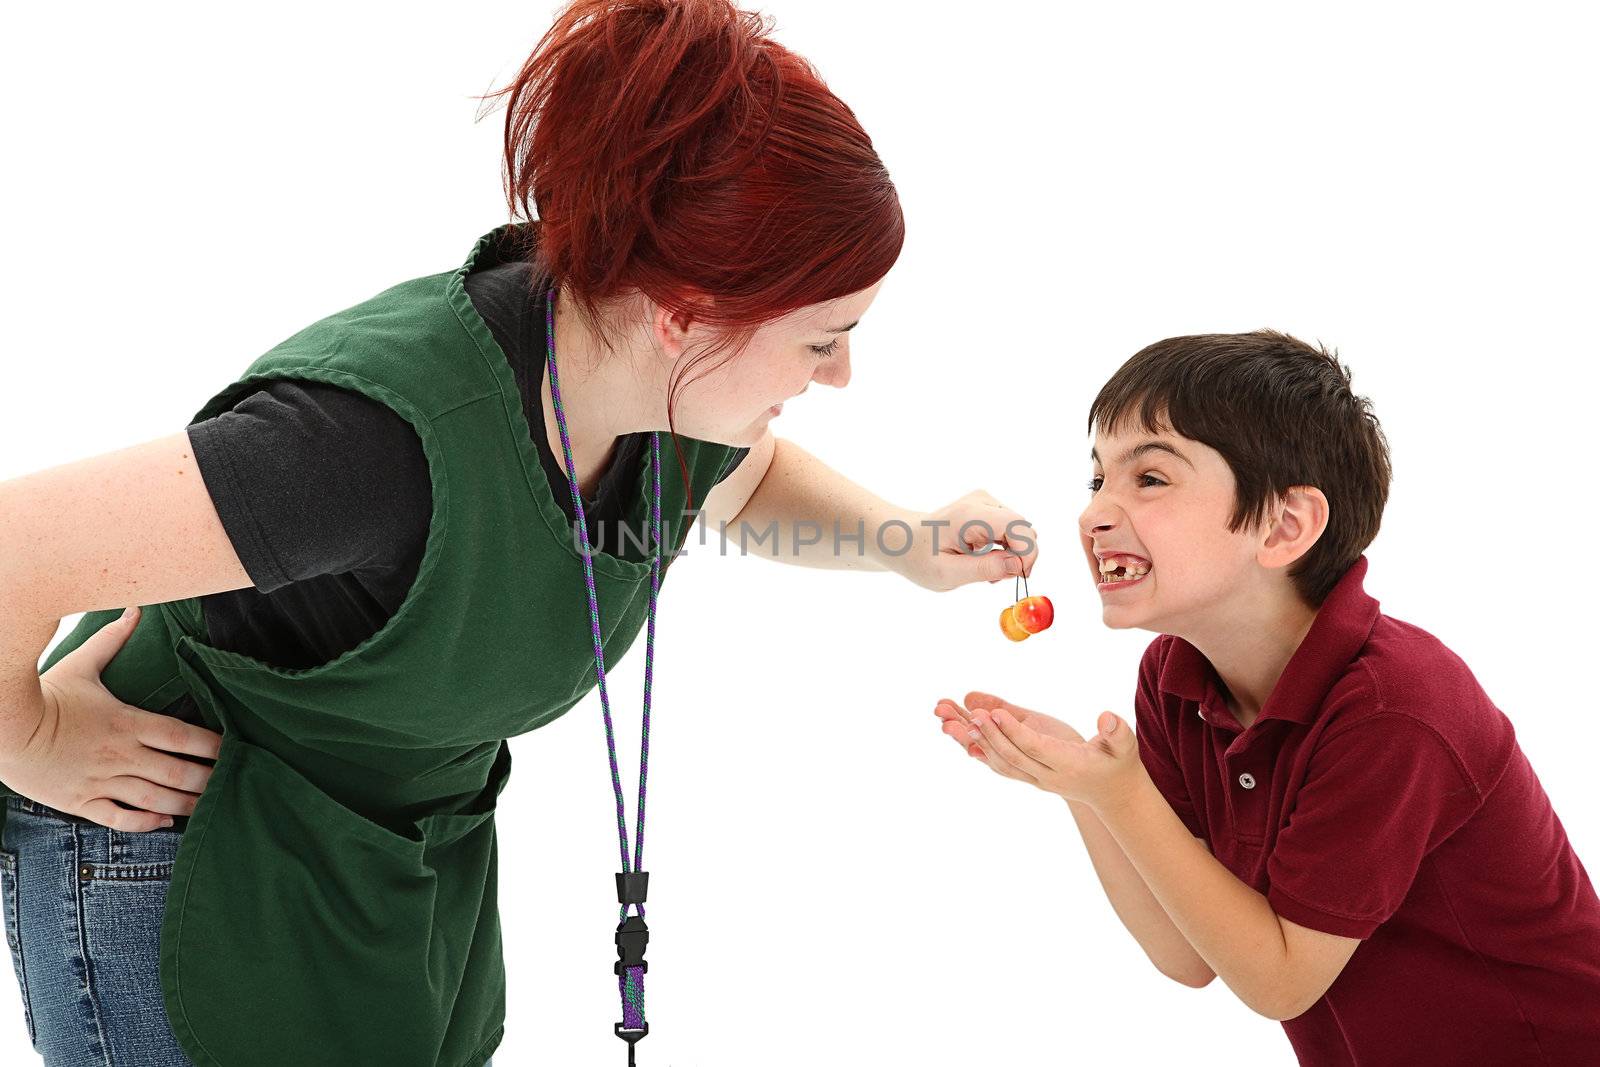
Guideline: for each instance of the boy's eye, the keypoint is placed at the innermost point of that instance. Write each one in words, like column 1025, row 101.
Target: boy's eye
column 1146, row 481
column 827, row 349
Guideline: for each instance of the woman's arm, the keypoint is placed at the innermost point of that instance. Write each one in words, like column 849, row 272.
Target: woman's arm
column 133, row 526
column 792, row 507
column 783, row 502
column 130, row 527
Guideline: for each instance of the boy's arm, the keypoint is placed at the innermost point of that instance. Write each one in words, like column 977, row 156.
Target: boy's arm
column 1277, row 967
column 1378, row 797
column 1136, row 906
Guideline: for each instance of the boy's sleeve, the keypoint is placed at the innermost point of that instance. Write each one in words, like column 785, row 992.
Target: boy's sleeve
column 1156, row 750
column 1378, row 796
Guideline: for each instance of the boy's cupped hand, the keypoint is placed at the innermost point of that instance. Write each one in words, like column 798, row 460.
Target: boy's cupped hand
column 1032, row 747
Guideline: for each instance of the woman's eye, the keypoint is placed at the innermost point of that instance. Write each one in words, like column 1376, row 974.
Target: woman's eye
column 827, row 349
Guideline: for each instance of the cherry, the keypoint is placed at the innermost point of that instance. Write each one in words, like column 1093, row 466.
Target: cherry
column 1034, row 613
column 1011, row 627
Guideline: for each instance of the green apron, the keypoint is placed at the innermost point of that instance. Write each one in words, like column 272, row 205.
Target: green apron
column 333, row 899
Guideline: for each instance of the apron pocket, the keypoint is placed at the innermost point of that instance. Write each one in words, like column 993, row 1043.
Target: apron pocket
column 299, row 931
column 448, row 827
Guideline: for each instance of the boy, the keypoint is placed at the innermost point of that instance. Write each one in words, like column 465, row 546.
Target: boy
column 1320, row 804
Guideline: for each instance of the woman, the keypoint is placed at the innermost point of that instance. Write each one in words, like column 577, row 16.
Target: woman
column 365, row 564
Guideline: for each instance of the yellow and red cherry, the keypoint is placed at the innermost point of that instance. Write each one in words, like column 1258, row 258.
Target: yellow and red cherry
column 1011, row 627
column 1034, row 613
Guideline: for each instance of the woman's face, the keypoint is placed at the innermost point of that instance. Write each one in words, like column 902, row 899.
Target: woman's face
column 734, row 403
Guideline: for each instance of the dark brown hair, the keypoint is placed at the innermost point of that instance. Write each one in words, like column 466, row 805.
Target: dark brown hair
column 674, row 148
column 1281, row 414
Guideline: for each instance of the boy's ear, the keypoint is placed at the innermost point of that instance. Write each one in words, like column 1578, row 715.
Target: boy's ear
column 1302, row 516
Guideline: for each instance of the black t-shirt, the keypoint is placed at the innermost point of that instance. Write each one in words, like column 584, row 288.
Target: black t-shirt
column 324, row 493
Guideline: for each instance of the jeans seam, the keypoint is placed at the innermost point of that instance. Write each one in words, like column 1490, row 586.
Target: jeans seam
column 83, row 949
column 125, row 872
column 9, row 860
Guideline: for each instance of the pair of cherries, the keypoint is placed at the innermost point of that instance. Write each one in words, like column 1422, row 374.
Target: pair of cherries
column 1027, row 616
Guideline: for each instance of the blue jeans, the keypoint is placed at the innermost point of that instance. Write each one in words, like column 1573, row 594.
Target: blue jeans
column 83, row 906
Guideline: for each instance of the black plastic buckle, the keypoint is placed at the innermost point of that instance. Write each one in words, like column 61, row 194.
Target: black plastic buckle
column 632, row 1038
column 632, row 937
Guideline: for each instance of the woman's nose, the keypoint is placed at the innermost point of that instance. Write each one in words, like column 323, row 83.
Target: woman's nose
column 835, row 371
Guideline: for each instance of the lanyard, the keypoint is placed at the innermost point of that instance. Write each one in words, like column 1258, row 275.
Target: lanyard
column 632, row 934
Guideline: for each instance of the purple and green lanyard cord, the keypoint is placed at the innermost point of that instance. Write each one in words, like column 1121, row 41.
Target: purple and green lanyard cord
column 632, row 934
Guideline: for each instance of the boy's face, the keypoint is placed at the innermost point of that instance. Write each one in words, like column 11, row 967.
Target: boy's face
column 1166, row 499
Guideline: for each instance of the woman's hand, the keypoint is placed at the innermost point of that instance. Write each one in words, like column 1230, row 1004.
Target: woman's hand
column 1033, row 747
column 942, row 554
column 90, row 750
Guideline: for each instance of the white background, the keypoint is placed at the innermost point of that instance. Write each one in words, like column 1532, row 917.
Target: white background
column 833, row 880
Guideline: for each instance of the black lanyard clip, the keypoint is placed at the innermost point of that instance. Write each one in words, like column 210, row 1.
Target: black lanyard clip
column 632, row 1038
column 632, row 937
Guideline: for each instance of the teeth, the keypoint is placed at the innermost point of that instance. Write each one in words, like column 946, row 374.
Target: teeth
column 1131, row 571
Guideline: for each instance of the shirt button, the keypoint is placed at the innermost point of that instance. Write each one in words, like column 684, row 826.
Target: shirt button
column 1247, row 780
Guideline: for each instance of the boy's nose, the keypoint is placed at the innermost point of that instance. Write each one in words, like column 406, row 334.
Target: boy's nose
column 1093, row 523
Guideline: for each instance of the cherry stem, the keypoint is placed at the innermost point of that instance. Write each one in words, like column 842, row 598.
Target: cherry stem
column 1024, row 579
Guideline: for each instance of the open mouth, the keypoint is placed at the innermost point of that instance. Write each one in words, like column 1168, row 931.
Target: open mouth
column 1116, row 571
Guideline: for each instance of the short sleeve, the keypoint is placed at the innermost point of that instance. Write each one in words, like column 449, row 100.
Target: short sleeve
column 310, row 478
column 1378, row 796
column 1156, row 749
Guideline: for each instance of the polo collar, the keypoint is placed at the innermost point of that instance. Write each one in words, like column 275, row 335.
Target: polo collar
column 1342, row 625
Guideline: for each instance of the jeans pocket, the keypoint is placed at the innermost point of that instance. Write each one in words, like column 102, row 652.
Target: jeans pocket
column 13, row 913
column 122, row 906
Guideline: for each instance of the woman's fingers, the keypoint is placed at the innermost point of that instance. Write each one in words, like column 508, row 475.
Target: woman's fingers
column 1020, row 539
column 174, row 735
column 106, row 813
column 1003, row 526
column 146, row 795
column 174, row 772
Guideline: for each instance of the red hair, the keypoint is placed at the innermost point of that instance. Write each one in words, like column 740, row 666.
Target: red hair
column 672, row 147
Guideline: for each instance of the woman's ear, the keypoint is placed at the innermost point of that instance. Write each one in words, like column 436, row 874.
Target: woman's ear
column 673, row 332
column 1303, row 517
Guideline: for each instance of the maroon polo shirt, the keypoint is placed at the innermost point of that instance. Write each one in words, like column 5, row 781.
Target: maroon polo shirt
column 1380, row 794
